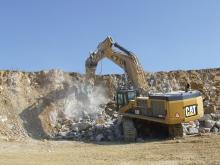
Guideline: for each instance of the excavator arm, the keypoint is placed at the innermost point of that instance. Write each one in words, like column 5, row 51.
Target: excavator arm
column 123, row 58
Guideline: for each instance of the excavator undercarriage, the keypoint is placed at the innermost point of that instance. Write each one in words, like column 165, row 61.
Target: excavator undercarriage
column 133, row 128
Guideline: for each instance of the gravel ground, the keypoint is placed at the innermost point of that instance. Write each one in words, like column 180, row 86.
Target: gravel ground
column 189, row 150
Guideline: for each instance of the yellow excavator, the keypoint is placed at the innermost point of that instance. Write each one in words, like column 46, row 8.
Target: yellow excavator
column 169, row 110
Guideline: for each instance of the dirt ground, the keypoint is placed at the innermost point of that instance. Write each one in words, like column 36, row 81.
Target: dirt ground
column 203, row 149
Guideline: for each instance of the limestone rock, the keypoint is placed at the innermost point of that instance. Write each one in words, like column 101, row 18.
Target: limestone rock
column 193, row 131
column 209, row 123
column 218, row 124
column 99, row 137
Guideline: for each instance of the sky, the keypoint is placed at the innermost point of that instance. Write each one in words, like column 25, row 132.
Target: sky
column 164, row 34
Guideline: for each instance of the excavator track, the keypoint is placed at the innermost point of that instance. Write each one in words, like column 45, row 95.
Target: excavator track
column 129, row 130
column 175, row 130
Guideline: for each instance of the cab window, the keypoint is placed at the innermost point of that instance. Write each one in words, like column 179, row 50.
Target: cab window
column 131, row 95
column 120, row 99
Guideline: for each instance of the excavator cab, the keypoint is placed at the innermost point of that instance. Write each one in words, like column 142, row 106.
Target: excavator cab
column 124, row 96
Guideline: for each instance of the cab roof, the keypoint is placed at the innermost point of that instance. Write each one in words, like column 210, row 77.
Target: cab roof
column 177, row 95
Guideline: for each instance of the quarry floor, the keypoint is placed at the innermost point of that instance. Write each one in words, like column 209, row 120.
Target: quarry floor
column 199, row 150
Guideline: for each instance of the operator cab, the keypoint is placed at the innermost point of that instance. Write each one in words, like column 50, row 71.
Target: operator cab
column 124, row 96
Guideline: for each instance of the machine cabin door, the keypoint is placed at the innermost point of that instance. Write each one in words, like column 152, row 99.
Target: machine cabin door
column 121, row 100
column 123, row 97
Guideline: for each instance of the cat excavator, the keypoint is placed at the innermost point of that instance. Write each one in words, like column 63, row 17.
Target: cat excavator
column 136, row 105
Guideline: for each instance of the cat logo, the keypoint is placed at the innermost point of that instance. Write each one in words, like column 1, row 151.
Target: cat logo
column 191, row 110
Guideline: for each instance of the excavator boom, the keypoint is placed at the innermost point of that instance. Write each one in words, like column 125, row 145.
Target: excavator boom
column 123, row 58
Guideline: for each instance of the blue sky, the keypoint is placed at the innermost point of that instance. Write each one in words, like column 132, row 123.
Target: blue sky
column 164, row 34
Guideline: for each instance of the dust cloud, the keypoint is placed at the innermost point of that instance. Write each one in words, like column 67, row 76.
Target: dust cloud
column 86, row 101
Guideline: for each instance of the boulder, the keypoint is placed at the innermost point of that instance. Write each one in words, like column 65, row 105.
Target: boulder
column 99, row 137
column 209, row 123
column 81, row 126
column 217, row 124
column 62, row 134
column 140, row 140
column 210, row 109
column 197, row 123
column 193, row 130
column 215, row 130
column 185, row 130
column 215, row 116
column 206, row 117
column 204, row 130
column 110, row 138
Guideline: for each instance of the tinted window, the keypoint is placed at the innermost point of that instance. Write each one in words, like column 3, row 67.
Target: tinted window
column 131, row 95
column 120, row 99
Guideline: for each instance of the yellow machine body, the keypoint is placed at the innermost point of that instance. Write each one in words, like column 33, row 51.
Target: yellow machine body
column 181, row 108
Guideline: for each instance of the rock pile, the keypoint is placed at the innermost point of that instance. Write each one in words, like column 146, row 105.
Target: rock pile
column 208, row 123
column 207, row 81
column 105, row 126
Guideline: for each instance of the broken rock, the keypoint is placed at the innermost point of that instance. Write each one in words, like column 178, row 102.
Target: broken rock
column 192, row 131
column 81, row 126
column 215, row 129
column 99, row 137
column 209, row 123
column 218, row 124
column 206, row 117
column 215, row 116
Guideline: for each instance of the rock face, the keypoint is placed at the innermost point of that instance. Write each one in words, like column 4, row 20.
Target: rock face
column 207, row 81
column 55, row 104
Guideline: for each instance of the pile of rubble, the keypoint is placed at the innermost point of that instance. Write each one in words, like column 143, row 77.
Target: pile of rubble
column 207, row 81
column 208, row 123
column 102, row 128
